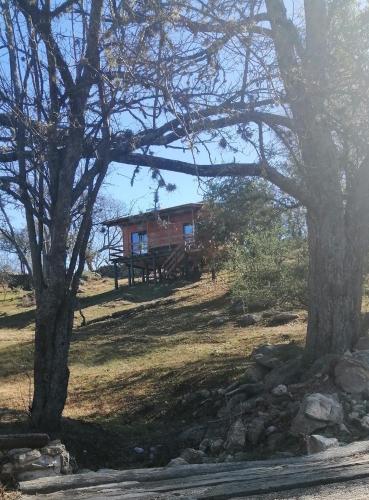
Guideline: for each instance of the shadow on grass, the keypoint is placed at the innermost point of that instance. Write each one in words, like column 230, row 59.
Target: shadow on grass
column 18, row 320
column 138, row 294
column 16, row 359
column 150, row 419
column 162, row 327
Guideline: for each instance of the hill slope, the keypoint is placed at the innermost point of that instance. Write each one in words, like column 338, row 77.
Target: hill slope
column 128, row 373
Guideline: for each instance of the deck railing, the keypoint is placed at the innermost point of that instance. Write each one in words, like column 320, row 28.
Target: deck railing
column 154, row 242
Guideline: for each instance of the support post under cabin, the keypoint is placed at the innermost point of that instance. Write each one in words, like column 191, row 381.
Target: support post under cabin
column 154, row 268
column 132, row 272
column 147, row 273
column 116, row 284
column 129, row 276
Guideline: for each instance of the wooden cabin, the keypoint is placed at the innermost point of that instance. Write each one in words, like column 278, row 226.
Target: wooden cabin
column 158, row 244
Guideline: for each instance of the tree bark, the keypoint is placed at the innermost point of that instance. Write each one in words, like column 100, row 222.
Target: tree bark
column 54, row 323
column 335, row 283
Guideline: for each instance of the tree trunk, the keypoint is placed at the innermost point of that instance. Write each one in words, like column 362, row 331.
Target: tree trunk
column 54, row 323
column 335, row 283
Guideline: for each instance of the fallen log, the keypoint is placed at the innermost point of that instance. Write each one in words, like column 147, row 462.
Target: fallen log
column 31, row 440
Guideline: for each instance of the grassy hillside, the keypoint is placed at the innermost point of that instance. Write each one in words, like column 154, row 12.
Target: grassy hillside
column 127, row 374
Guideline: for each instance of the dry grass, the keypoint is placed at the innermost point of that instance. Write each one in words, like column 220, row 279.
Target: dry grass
column 6, row 494
column 127, row 374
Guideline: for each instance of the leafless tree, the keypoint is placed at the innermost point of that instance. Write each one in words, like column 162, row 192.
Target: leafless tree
column 87, row 83
column 97, row 251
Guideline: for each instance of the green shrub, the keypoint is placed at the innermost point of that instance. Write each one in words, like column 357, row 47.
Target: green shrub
column 268, row 270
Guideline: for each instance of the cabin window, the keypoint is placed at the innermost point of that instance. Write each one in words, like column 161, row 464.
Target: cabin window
column 139, row 243
column 188, row 232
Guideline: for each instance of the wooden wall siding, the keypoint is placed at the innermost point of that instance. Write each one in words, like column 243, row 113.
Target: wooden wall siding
column 160, row 233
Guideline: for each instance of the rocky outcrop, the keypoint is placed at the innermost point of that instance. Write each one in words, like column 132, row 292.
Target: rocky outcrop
column 24, row 464
column 352, row 372
column 317, row 411
column 278, row 407
column 316, row 443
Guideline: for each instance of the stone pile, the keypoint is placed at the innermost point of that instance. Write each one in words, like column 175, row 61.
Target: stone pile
column 24, row 464
column 279, row 407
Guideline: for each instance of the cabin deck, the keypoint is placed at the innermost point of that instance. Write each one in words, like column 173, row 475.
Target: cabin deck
column 159, row 263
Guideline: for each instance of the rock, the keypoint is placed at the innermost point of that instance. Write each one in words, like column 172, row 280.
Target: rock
column 54, row 448
column 353, row 416
column 17, row 451
column 280, row 390
column 281, row 318
column 247, row 320
column 218, row 321
column 255, row 429
column 271, row 429
column 254, row 373
column 30, row 475
column 7, row 469
column 321, row 367
column 192, row 436
column 240, row 456
column 236, row 436
column 267, row 355
column 286, row 374
column 267, row 361
column 316, row 443
column 203, row 393
column 248, row 389
column 324, row 407
column 21, row 458
column 44, row 463
column 352, row 373
column 231, row 405
column 362, row 344
column 213, row 446
column 138, row 450
column 359, row 408
column 365, row 422
column 177, row 461
column 274, row 441
column 237, row 307
column 344, row 429
column 28, row 300
column 192, row 456
column 216, row 446
column 316, row 412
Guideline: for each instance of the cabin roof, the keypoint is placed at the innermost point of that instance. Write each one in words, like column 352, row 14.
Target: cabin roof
column 152, row 214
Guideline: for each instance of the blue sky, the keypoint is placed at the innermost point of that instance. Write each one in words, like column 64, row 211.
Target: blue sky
column 140, row 196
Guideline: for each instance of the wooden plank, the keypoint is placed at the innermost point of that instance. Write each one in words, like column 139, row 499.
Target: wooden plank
column 228, row 487
column 276, row 484
column 103, row 492
column 357, row 489
column 31, row 440
column 256, row 476
column 51, row 484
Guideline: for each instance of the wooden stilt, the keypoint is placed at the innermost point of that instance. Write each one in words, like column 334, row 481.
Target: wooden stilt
column 132, row 272
column 147, row 273
column 116, row 284
column 154, row 268
column 186, row 272
column 129, row 276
